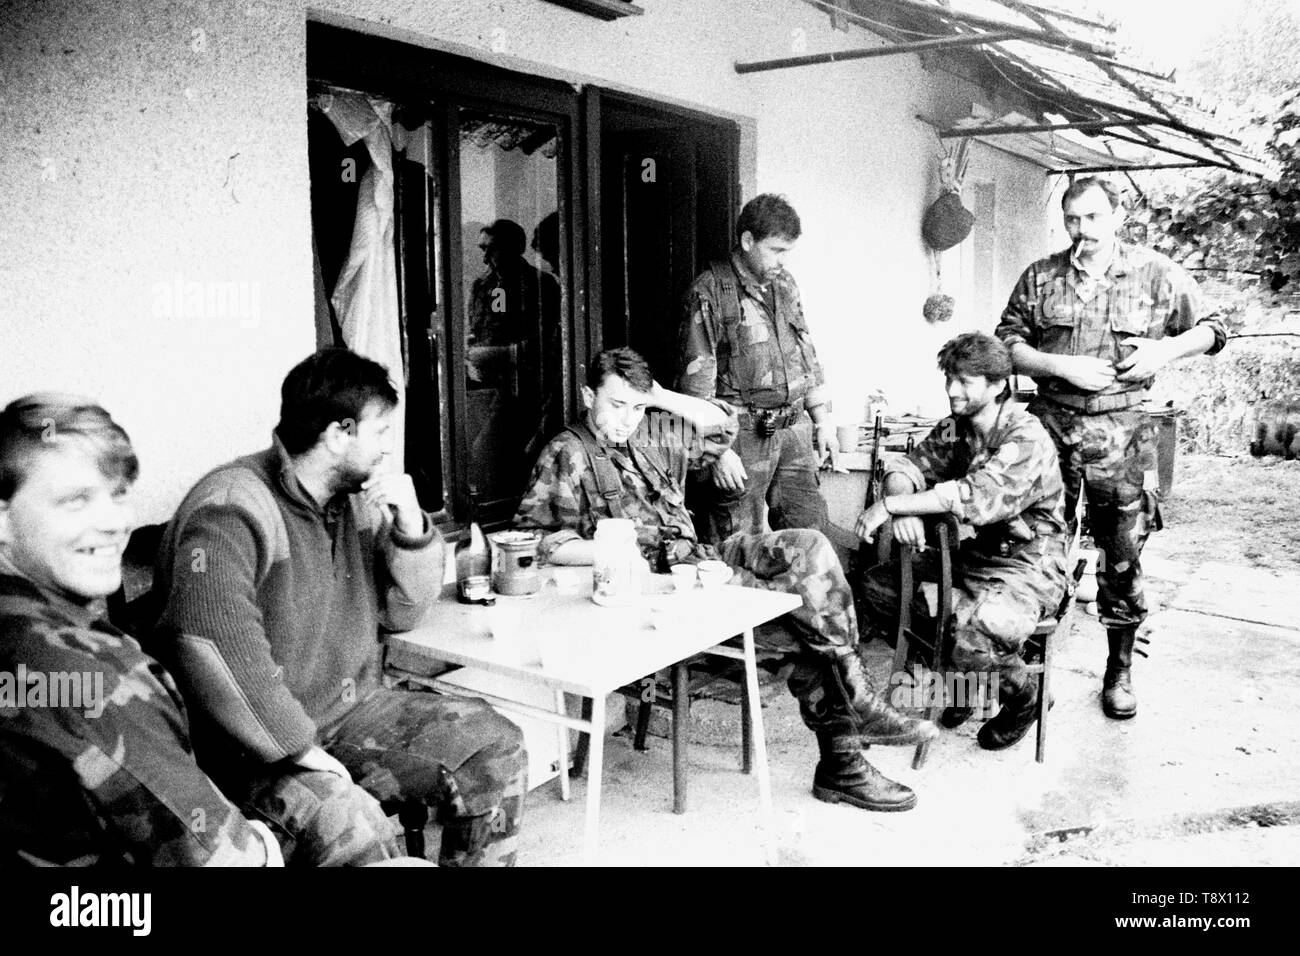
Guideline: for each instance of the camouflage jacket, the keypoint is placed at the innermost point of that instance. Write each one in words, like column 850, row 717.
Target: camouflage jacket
column 767, row 360
column 107, row 777
column 1009, row 486
column 652, row 466
column 1057, row 308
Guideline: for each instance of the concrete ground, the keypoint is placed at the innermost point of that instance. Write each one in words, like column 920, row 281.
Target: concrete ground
column 1205, row 775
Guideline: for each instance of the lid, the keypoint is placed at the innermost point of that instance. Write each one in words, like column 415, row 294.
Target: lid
column 514, row 539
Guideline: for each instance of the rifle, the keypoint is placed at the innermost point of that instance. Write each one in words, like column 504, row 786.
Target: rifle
column 876, row 483
column 867, row 556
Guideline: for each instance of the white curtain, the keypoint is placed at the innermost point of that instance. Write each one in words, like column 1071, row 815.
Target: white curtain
column 365, row 297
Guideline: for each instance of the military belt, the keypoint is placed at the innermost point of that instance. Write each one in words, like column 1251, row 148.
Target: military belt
column 1096, row 404
column 768, row 421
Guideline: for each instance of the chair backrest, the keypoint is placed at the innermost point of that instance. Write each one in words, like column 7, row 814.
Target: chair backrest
column 133, row 607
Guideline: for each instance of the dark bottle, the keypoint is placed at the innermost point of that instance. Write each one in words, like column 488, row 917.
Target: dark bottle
column 473, row 565
column 669, row 535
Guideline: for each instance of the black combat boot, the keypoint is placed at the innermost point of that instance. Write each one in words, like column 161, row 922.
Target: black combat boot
column 878, row 722
column 1018, row 713
column 954, row 717
column 844, row 776
column 1117, row 698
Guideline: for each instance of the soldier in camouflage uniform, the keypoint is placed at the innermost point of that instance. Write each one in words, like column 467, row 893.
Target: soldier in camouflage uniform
column 745, row 341
column 992, row 465
column 107, row 776
column 1093, row 324
column 280, row 570
column 651, row 456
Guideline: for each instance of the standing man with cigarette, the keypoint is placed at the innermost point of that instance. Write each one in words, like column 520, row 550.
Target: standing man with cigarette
column 1092, row 325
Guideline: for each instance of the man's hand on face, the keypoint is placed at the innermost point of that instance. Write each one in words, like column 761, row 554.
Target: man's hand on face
column 909, row 529
column 397, row 493
column 1085, row 372
column 729, row 472
column 1147, row 358
column 315, row 758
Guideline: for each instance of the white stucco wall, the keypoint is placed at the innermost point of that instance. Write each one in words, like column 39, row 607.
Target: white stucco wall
column 140, row 153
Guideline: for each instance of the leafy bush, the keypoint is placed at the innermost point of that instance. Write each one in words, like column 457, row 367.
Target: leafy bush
column 1219, row 393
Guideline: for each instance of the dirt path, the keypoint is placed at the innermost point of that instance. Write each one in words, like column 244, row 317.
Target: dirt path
column 1234, row 510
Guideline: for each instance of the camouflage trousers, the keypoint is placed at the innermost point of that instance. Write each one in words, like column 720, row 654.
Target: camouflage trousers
column 782, row 471
column 457, row 756
column 1113, row 456
column 320, row 819
column 803, row 562
column 997, row 602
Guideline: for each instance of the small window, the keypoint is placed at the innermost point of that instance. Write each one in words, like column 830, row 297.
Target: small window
column 604, row 9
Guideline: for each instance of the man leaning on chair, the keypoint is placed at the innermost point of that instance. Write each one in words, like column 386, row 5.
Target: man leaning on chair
column 994, row 466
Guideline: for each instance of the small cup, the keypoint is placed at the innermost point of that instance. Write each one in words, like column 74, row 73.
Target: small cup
column 683, row 577
column 714, row 573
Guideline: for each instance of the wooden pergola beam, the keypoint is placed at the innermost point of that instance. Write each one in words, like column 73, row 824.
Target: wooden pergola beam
column 1061, row 42
column 1176, row 152
column 918, row 46
column 1154, row 119
column 1123, row 169
column 1008, row 128
column 1072, row 18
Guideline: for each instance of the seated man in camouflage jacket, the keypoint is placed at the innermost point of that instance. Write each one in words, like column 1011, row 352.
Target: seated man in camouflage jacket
column 994, row 466
column 96, row 765
column 650, row 456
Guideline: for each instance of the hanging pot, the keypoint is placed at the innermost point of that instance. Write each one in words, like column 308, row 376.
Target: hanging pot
column 947, row 222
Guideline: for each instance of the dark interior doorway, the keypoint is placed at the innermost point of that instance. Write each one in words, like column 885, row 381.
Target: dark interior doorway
column 534, row 223
column 668, row 204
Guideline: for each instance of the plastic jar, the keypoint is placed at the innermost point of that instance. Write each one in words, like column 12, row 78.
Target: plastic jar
column 613, row 580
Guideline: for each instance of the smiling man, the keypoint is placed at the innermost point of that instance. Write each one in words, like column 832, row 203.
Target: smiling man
column 281, row 569
column 113, row 780
column 744, row 340
column 1093, row 324
column 992, row 465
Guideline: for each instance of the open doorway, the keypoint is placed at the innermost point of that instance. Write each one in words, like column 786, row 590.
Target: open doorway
column 668, row 191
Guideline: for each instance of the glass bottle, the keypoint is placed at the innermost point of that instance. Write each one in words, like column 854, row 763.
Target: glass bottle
column 473, row 564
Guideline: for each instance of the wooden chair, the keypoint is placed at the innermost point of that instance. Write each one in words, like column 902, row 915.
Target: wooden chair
column 133, row 607
column 1038, row 647
column 935, row 647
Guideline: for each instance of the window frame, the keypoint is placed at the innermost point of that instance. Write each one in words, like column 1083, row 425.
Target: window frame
column 445, row 84
column 497, row 511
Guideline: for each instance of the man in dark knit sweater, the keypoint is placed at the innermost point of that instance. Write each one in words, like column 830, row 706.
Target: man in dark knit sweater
column 280, row 570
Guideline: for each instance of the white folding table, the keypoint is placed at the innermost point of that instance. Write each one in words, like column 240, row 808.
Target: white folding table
column 567, row 643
